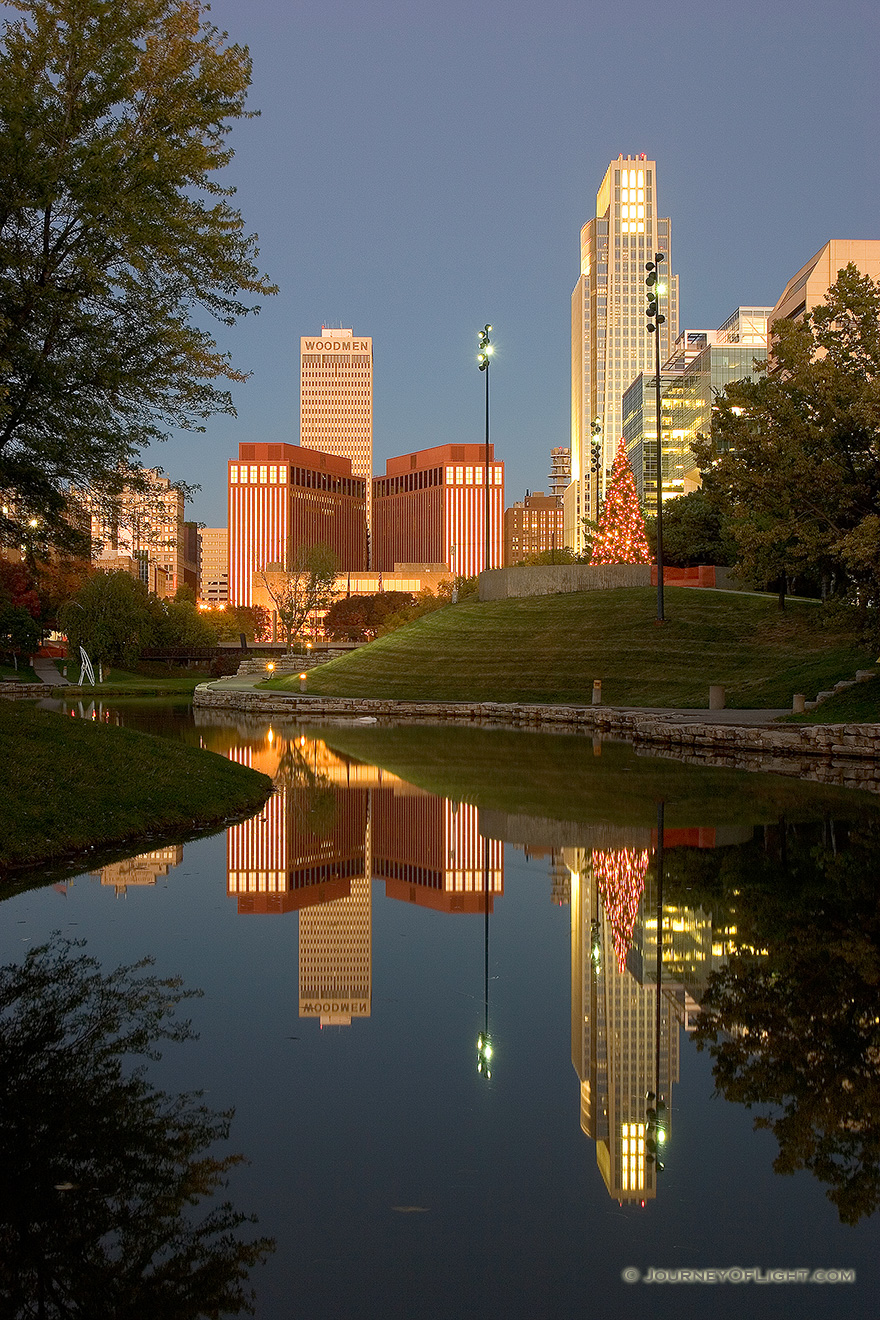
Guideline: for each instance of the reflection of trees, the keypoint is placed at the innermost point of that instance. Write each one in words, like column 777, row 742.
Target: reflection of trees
column 310, row 792
column 796, row 1030
column 102, row 1172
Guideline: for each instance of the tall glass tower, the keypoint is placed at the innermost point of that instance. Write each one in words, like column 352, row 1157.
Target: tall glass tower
column 610, row 342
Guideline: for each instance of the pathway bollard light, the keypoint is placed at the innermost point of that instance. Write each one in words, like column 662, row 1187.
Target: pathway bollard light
column 302, row 682
column 597, row 692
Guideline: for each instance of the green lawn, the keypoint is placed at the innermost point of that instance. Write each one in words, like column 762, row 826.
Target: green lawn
column 72, row 784
column 855, row 705
column 123, row 682
column 551, row 648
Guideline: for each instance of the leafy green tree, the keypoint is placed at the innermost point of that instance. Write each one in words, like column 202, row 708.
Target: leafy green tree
column 562, row 555
column 694, row 531
column 104, row 1176
column 113, row 617
column 228, row 624
column 796, row 453
column 178, row 623
column 359, row 618
column 116, row 241
column 19, row 631
column 306, row 585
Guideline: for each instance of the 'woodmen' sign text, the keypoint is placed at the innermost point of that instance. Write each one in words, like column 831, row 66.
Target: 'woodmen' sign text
column 335, row 346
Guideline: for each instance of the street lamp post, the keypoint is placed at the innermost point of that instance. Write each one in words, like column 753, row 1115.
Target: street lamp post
column 655, row 320
column 484, row 352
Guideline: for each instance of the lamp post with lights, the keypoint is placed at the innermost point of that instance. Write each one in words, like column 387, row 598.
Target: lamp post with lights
column 655, row 320
column 484, row 352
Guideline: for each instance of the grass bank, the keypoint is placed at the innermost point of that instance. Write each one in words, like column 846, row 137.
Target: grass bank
column 855, row 705
column 566, row 778
column 549, row 649
column 72, row 785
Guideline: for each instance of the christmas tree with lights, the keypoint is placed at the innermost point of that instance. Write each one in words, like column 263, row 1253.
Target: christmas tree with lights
column 620, row 537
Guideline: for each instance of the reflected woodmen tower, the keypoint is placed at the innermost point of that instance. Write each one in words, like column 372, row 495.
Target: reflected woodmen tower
column 336, row 400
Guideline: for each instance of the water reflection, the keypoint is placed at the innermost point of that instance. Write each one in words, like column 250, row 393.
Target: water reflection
column 108, row 1203
column 763, row 939
column 144, row 869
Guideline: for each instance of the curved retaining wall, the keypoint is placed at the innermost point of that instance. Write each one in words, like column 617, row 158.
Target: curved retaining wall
column 833, row 753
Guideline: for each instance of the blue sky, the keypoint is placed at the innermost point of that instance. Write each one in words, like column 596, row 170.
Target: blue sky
column 419, row 170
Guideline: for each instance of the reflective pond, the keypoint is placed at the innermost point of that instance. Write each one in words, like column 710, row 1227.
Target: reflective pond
column 496, row 1013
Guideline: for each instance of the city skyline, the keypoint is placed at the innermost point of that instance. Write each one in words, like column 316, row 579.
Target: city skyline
column 417, row 198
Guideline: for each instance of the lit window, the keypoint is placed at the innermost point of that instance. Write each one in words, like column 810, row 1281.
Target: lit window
column 253, row 474
column 459, row 476
column 263, row 473
column 233, row 473
column 469, row 476
column 641, row 178
column 273, row 474
column 624, row 211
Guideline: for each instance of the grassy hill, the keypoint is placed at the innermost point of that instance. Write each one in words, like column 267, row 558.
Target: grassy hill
column 75, row 784
column 550, row 648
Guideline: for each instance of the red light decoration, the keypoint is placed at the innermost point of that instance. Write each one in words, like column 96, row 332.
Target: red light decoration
column 620, row 538
column 620, row 876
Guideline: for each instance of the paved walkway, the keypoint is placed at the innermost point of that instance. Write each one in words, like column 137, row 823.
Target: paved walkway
column 754, row 718
column 45, row 670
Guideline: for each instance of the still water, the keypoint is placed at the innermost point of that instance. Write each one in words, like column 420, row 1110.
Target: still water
column 431, row 992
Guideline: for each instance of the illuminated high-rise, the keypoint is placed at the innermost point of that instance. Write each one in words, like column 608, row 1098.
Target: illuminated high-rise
column 610, row 341
column 336, row 399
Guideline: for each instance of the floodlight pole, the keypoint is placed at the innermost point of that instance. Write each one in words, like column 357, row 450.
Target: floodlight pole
column 654, row 323
column 485, row 352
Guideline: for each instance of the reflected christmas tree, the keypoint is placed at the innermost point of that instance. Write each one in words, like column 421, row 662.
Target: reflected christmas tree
column 620, row 876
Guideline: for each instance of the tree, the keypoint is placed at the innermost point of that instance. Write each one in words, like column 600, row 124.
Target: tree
column 115, row 236
column 228, row 623
column 796, row 452
column 620, row 537
column 112, row 617
column 563, row 555
column 695, row 531
column 308, row 584
column 104, row 1175
column 359, row 618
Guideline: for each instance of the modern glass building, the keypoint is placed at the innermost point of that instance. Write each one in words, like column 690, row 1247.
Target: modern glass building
column 701, row 365
column 610, row 341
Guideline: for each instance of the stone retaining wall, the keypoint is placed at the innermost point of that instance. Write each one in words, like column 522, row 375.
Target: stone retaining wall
column 719, row 744
column 549, row 579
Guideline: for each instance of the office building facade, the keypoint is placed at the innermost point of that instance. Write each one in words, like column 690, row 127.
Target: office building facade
column 430, row 508
column 701, row 365
column 214, row 566
column 284, row 498
column 610, row 341
column 810, row 284
column 531, row 526
column 142, row 532
column 336, row 398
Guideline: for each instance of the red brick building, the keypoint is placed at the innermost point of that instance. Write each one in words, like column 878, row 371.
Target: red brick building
column 531, row 526
column 430, row 508
column 283, row 498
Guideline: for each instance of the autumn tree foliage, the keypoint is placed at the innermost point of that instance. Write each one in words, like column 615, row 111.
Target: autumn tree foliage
column 620, row 536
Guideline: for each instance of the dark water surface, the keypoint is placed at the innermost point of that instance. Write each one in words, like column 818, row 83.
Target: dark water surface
column 349, row 968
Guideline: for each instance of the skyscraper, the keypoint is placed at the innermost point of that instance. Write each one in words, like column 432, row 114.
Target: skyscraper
column 610, row 341
column 336, row 399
